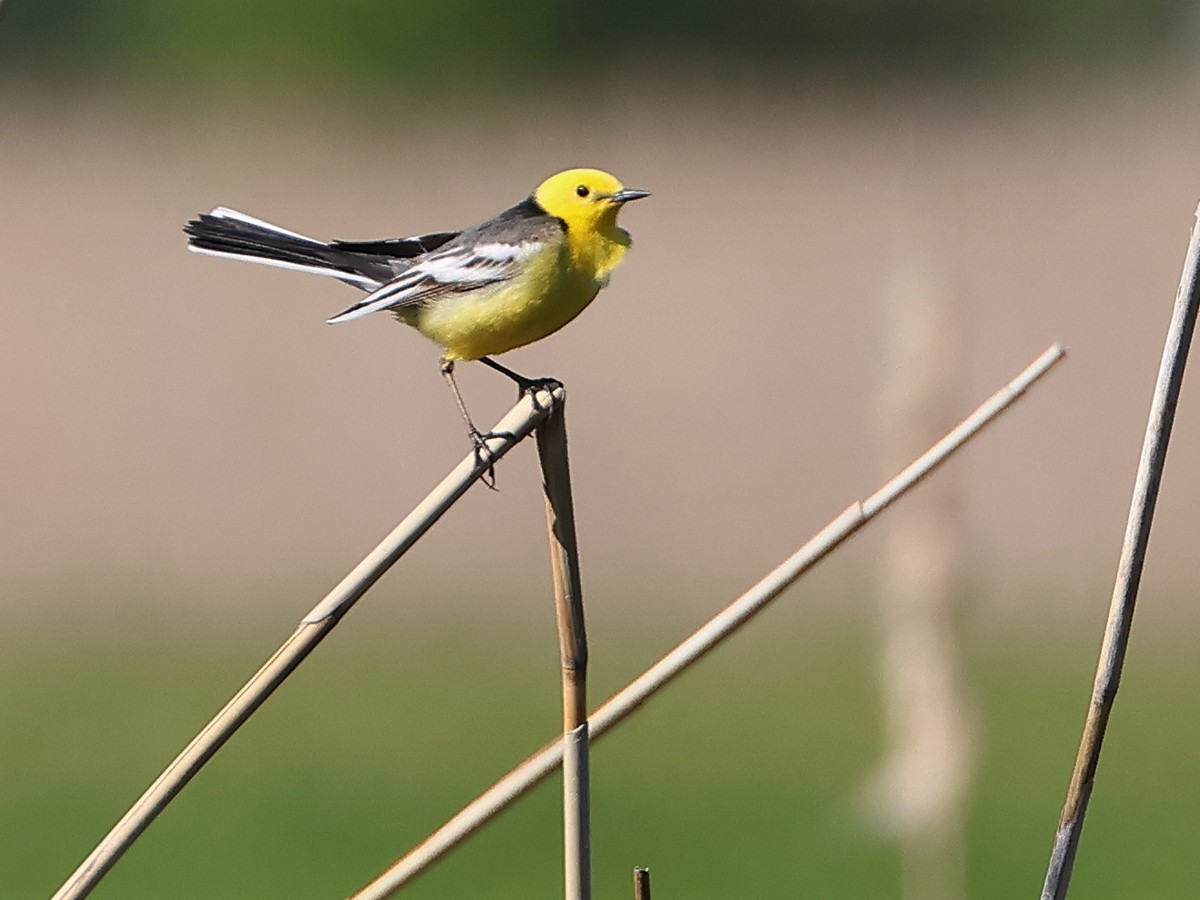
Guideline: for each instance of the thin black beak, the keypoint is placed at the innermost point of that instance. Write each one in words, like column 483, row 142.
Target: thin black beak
column 627, row 194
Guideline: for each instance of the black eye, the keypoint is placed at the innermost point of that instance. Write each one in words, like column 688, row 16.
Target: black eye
column 582, row 190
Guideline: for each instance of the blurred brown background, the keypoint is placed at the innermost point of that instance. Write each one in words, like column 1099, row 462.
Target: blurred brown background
column 177, row 420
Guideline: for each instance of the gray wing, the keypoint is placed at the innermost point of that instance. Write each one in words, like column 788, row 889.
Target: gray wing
column 489, row 254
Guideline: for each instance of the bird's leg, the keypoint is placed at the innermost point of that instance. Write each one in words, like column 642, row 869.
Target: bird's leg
column 483, row 453
column 525, row 385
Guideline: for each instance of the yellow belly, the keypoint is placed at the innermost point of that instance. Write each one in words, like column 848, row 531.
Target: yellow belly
column 499, row 318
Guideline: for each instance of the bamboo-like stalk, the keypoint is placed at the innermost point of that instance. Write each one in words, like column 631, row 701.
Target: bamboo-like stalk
column 510, row 430
column 641, row 883
column 573, row 650
column 577, row 835
column 1129, row 572
column 538, row 766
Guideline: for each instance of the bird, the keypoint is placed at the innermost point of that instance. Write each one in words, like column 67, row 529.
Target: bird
column 514, row 279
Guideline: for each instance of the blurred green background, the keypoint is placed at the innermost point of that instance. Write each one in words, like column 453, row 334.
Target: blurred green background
column 465, row 43
column 737, row 782
column 191, row 458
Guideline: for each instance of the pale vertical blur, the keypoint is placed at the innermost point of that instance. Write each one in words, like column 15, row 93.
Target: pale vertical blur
column 921, row 790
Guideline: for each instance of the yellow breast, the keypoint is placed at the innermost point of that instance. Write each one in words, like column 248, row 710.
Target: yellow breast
column 553, row 288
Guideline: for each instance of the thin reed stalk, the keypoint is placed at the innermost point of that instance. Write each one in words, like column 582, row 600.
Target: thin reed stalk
column 630, row 698
column 514, row 427
column 641, row 884
column 573, row 649
column 1129, row 573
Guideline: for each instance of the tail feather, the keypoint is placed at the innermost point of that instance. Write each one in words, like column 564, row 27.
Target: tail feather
column 402, row 248
column 226, row 232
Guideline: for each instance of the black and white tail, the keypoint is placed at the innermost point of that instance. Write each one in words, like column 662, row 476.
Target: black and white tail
column 228, row 233
column 370, row 265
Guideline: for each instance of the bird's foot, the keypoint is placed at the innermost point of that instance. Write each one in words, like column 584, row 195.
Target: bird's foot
column 533, row 386
column 485, row 459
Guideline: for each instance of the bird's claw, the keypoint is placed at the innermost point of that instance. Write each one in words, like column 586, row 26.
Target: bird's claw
column 532, row 386
column 485, row 459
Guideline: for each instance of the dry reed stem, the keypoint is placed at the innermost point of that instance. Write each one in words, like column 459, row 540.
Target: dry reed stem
column 514, row 427
column 1129, row 573
column 641, row 883
column 538, row 766
column 573, row 651
column 577, row 837
column 564, row 566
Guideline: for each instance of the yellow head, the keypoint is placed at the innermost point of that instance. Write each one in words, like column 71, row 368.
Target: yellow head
column 585, row 198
